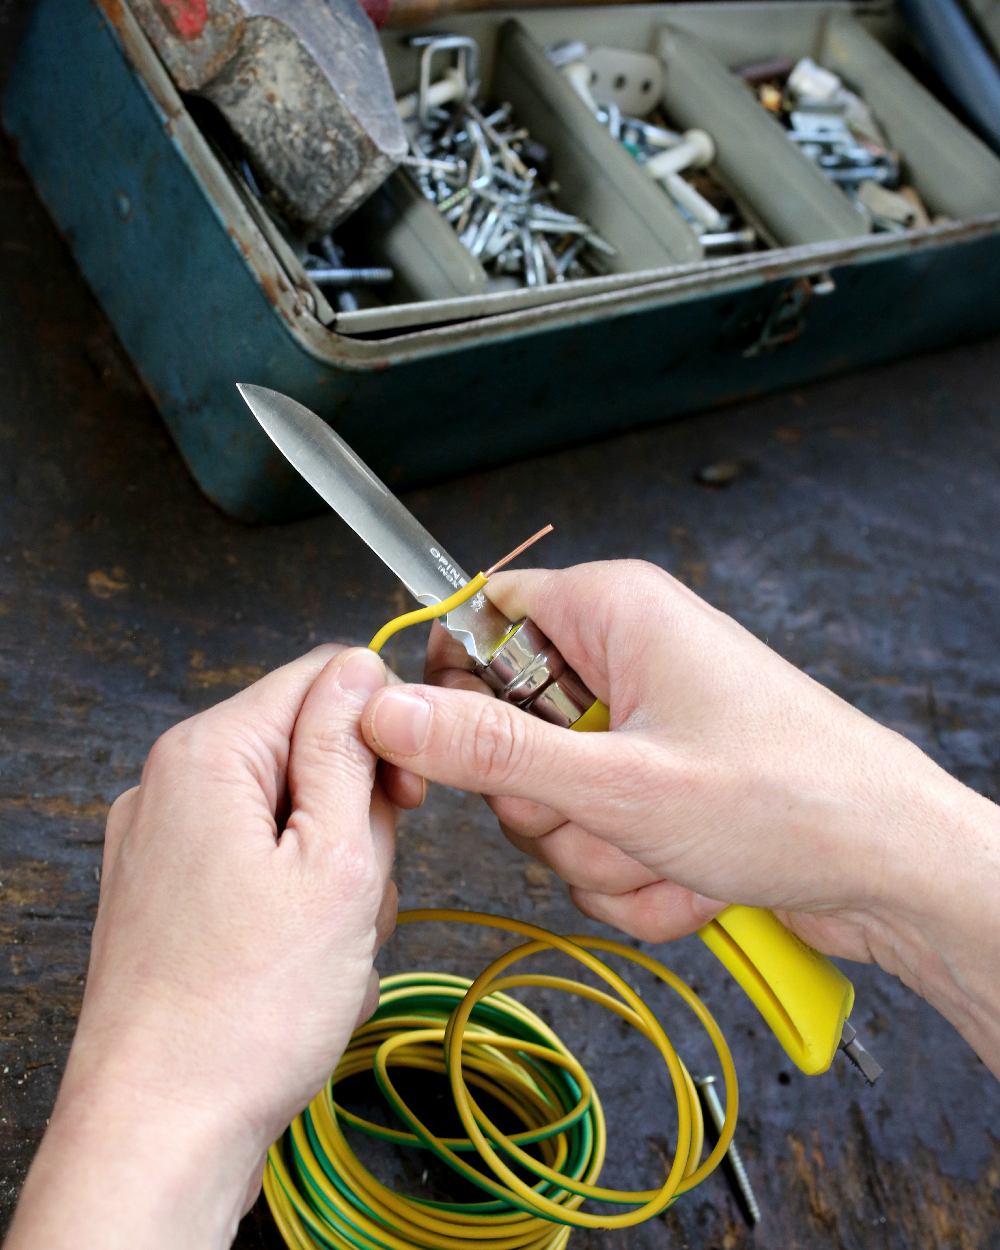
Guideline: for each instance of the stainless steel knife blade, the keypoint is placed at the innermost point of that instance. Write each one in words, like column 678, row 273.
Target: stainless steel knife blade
column 347, row 484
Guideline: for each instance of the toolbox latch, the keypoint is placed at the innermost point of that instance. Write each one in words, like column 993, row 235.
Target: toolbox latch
column 787, row 318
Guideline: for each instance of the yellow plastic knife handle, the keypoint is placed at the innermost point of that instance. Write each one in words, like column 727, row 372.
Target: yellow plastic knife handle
column 803, row 998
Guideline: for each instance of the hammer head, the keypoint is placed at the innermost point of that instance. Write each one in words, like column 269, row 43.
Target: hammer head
column 304, row 86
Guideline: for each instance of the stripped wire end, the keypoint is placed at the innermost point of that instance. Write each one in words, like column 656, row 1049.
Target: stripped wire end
column 512, row 555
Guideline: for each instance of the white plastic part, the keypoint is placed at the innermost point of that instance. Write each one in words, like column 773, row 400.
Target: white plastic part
column 631, row 80
column 683, row 194
column 578, row 76
column 696, row 151
column 447, row 88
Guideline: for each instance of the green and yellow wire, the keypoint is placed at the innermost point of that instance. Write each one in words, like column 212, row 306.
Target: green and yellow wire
column 486, row 1042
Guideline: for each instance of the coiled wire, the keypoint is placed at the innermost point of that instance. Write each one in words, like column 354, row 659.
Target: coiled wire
column 484, row 1040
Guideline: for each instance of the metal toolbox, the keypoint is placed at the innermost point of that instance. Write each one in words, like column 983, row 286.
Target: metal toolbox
column 450, row 375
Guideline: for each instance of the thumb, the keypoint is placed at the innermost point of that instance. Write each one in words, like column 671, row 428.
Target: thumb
column 464, row 739
column 331, row 771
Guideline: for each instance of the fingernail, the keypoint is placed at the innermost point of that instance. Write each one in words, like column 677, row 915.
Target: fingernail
column 362, row 673
column 401, row 722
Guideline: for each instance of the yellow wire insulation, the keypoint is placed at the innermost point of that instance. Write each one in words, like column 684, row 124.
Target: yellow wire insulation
column 321, row 1195
column 419, row 615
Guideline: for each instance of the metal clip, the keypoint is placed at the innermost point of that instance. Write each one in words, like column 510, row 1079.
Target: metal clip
column 466, row 65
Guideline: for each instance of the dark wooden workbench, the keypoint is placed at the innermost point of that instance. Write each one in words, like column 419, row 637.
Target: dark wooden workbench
column 861, row 542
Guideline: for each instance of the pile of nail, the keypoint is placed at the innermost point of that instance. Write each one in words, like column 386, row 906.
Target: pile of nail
column 837, row 130
column 486, row 176
column 677, row 161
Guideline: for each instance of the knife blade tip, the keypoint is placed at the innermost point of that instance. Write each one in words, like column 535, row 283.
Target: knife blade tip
column 255, row 398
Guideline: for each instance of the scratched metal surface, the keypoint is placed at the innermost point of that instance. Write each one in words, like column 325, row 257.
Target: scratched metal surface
column 862, row 544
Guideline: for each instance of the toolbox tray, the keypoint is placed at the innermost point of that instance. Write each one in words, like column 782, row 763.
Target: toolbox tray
column 203, row 294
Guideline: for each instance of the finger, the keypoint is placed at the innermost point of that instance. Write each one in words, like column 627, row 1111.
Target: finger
column 382, row 824
column 600, row 616
column 254, row 1186
column 401, row 787
column 275, row 700
column 654, row 913
column 525, row 817
column 244, row 739
column 119, row 818
column 448, row 663
column 370, row 1001
column 331, row 771
column 464, row 740
column 385, row 921
column 586, row 862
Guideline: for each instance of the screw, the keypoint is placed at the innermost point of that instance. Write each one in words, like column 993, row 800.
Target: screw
column 328, row 276
column 710, row 1099
column 743, row 239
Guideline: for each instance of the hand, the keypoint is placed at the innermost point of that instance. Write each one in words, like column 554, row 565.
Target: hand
column 245, row 892
column 729, row 776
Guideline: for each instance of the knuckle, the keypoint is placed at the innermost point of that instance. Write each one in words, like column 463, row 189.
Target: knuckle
column 357, row 873
column 494, row 746
column 121, row 809
column 169, row 747
column 327, row 651
column 342, row 749
column 643, row 572
column 621, row 776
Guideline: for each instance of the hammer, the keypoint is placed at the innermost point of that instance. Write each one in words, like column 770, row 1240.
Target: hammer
column 303, row 85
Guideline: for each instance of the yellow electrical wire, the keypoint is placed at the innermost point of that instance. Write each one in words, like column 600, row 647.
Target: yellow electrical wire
column 419, row 615
column 480, row 1038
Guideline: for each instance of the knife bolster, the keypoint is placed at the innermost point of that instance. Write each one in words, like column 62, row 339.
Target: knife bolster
column 529, row 671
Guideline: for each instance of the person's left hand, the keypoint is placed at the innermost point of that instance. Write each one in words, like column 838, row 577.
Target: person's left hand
column 245, row 893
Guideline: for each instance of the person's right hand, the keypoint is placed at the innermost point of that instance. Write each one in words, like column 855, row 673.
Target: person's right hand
column 729, row 776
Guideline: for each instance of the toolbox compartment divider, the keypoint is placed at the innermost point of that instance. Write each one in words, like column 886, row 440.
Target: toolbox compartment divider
column 793, row 198
column 954, row 172
column 399, row 227
column 597, row 177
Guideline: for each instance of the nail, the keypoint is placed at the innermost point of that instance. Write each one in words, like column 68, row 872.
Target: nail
column 362, row 673
column 402, row 722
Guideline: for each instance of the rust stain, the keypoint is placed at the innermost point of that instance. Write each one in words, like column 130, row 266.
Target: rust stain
column 58, row 806
column 240, row 242
column 694, row 573
column 31, row 882
column 810, row 1175
column 71, row 606
column 113, row 11
column 270, row 288
column 106, row 585
column 238, row 675
column 788, row 435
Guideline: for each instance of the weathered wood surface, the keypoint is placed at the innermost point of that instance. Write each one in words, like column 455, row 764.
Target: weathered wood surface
column 862, row 545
